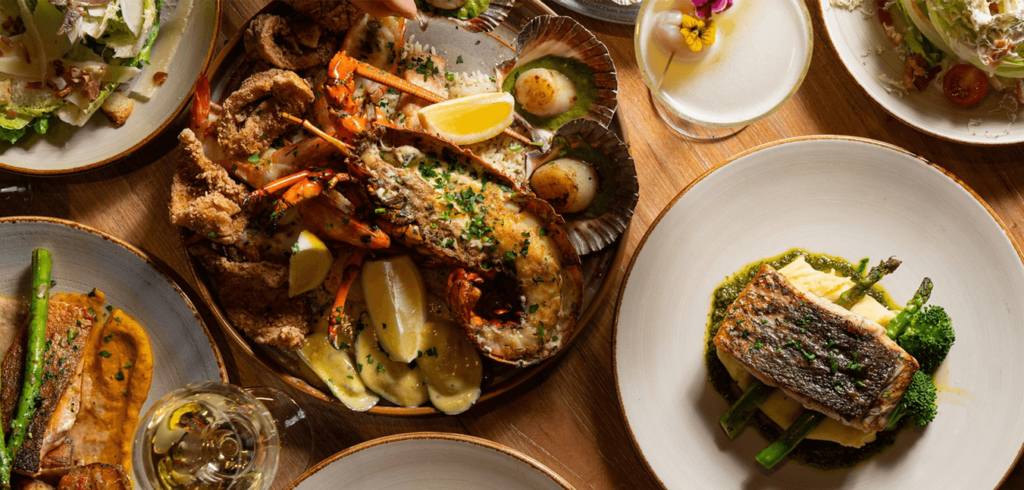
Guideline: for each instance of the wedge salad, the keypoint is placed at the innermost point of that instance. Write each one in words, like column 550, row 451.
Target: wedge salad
column 970, row 45
column 67, row 59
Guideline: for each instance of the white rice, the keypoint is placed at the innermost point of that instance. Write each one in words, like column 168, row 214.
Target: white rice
column 466, row 84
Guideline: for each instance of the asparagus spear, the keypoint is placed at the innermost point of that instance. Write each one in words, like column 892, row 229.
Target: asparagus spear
column 861, row 286
column 771, row 455
column 896, row 327
column 39, row 307
column 737, row 416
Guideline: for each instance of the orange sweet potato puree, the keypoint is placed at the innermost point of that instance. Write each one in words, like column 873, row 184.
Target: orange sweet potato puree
column 116, row 376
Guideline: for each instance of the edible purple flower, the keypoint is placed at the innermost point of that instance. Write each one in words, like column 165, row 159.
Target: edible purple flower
column 706, row 7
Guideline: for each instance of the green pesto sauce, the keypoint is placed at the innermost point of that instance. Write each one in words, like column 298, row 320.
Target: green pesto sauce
column 469, row 10
column 605, row 169
column 817, row 454
column 581, row 75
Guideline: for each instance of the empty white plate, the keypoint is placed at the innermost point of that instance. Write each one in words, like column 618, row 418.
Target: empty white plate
column 83, row 259
column 842, row 196
column 431, row 460
column 861, row 44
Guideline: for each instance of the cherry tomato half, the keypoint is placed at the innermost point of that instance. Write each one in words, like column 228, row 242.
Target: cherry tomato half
column 965, row 85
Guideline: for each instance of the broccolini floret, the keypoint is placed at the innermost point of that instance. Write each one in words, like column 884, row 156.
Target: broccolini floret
column 928, row 337
column 918, row 402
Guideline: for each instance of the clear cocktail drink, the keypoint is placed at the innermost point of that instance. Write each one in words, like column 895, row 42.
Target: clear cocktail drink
column 760, row 55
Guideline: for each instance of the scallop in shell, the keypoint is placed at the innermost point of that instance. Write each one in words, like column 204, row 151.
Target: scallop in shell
column 560, row 44
column 462, row 13
column 611, row 208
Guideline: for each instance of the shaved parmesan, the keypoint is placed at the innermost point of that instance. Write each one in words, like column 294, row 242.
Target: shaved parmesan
column 164, row 48
column 131, row 10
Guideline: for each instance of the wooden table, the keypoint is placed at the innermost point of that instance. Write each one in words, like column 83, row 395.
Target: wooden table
column 568, row 417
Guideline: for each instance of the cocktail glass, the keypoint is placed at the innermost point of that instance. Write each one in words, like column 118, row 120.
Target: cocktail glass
column 759, row 59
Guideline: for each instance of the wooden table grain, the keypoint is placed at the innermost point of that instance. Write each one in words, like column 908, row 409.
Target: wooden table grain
column 568, row 417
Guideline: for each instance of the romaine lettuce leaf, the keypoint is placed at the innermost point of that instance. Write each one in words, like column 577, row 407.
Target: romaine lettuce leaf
column 915, row 39
column 143, row 57
column 123, row 42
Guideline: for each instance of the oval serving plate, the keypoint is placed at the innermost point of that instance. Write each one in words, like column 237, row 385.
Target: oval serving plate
column 431, row 460
column 866, row 52
column 85, row 258
column 66, row 149
column 450, row 43
column 868, row 199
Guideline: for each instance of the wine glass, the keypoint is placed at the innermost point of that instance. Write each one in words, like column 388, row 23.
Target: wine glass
column 746, row 63
column 214, row 436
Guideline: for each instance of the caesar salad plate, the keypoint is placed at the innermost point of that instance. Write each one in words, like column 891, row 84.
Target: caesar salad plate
column 875, row 64
column 867, row 199
column 183, row 48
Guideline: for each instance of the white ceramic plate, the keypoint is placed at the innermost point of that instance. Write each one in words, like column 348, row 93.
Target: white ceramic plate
column 430, row 460
column 848, row 197
column 67, row 149
column 857, row 38
column 83, row 259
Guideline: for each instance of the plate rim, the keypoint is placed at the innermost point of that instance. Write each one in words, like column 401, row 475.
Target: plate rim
column 171, row 117
column 765, row 146
column 447, row 436
column 835, row 50
column 528, row 373
column 157, row 264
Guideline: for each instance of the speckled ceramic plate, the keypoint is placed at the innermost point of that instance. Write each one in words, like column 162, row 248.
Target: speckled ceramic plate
column 67, row 149
column 431, row 460
column 478, row 52
column 852, row 198
column 867, row 53
column 83, row 259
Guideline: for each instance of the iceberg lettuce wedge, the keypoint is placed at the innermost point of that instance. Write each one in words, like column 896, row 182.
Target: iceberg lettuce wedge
column 992, row 42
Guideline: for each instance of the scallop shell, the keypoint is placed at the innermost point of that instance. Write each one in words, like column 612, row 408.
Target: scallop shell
column 592, row 234
column 489, row 19
column 563, row 36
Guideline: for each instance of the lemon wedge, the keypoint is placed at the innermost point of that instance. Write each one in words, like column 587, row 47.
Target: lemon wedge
column 397, row 302
column 469, row 120
column 309, row 265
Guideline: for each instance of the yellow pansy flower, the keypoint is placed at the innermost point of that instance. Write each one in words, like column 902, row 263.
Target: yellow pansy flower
column 698, row 33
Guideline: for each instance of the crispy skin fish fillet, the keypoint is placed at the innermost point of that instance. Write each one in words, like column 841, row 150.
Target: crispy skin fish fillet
column 818, row 353
column 67, row 328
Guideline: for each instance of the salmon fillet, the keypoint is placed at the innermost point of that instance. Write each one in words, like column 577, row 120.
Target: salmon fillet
column 67, row 328
column 827, row 358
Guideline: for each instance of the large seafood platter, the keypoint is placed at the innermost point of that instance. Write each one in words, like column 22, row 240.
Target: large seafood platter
column 406, row 218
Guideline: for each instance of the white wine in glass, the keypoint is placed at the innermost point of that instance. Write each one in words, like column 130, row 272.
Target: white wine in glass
column 207, row 436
